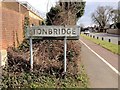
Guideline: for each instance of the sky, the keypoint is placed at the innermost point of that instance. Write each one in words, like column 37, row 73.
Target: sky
column 91, row 7
column 43, row 6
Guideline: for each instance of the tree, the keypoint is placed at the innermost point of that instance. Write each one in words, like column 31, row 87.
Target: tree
column 65, row 13
column 51, row 15
column 116, row 16
column 102, row 16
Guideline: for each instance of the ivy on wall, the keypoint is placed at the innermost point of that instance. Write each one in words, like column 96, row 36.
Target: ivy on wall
column 26, row 24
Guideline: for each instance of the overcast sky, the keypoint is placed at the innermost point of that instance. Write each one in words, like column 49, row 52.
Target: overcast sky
column 44, row 6
column 90, row 8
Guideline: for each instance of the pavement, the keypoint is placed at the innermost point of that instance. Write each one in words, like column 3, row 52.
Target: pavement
column 100, row 74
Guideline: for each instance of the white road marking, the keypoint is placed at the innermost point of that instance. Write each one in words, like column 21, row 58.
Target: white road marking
column 115, row 70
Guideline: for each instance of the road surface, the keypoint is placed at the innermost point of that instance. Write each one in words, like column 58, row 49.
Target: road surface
column 99, row 73
column 113, row 38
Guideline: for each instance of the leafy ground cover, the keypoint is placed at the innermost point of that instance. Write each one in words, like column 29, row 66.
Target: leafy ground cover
column 48, row 67
column 37, row 80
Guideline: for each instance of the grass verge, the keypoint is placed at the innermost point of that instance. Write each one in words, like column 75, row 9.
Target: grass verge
column 109, row 46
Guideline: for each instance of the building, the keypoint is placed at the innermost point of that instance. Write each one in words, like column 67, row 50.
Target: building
column 26, row 9
column 33, row 14
column 12, row 21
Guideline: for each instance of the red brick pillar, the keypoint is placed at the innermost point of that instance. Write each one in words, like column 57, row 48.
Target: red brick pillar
column 0, row 31
column 0, row 41
column 3, row 51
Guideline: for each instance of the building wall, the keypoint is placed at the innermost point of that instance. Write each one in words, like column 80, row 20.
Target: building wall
column 23, row 9
column 0, row 25
column 12, row 24
column 34, row 22
column 15, row 6
column 12, row 31
column 11, row 5
column 13, row 14
column 34, row 16
column 0, row 34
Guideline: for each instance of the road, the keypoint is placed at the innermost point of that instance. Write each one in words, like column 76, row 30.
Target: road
column 99, row 73
column 113, row 38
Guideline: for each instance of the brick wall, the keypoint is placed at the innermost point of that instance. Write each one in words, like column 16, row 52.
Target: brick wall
column 12, row 16
column 0, row 33
column 15, row 6
column 11, row 31
column 0, row 25
column 12, row 28
column 11, row 5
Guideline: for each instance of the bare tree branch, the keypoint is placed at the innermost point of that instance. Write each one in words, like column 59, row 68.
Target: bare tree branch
column 102, row 16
